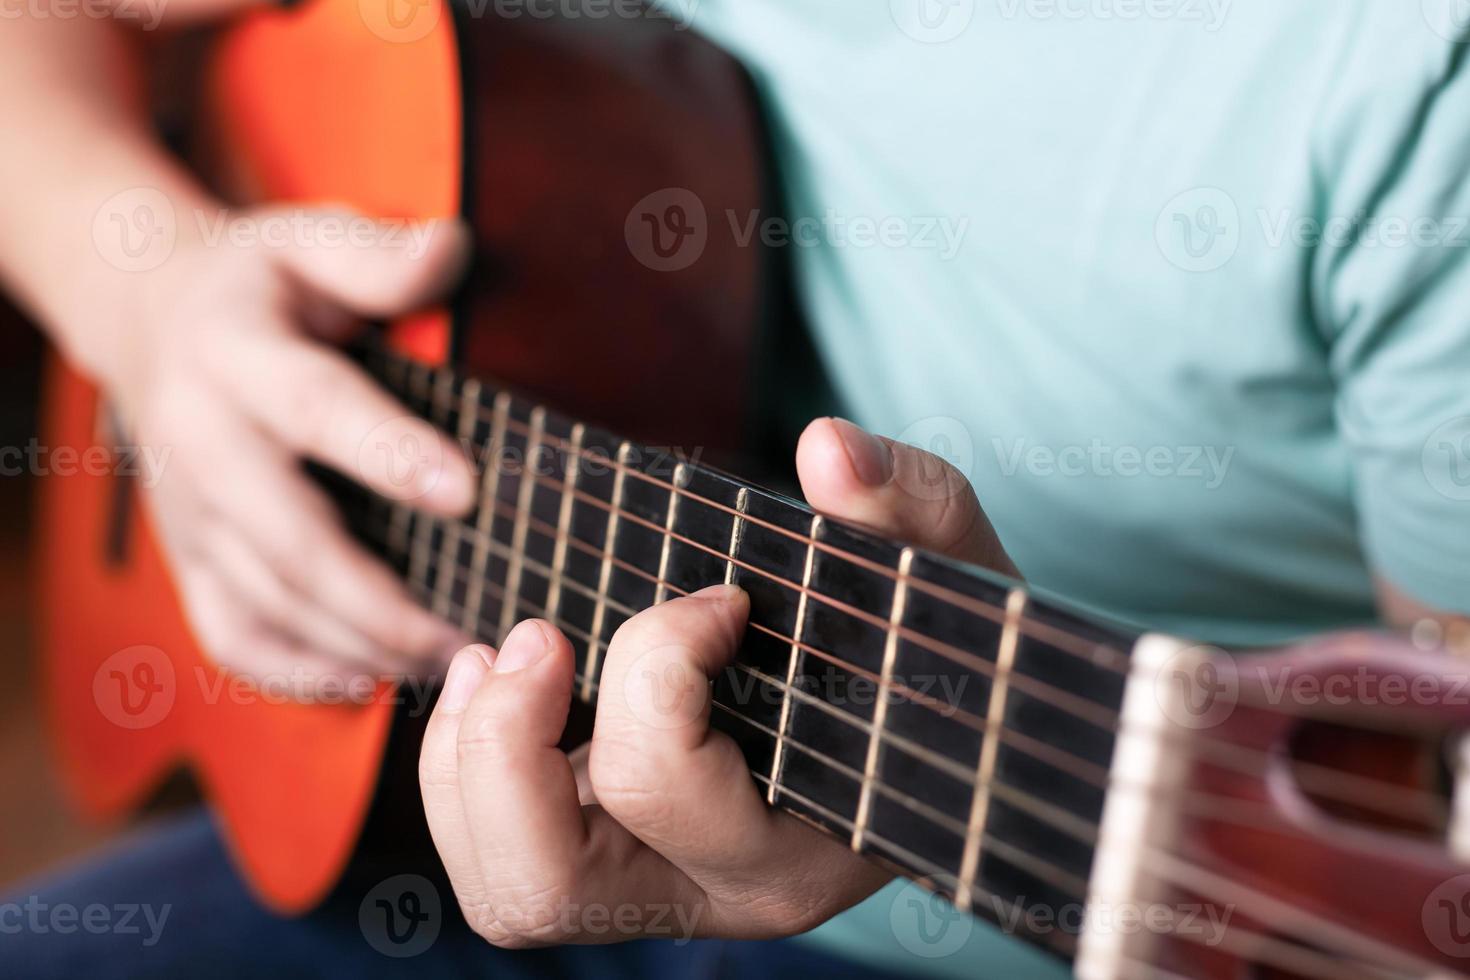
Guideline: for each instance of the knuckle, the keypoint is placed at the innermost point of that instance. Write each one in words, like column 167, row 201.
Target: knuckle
column 627, row 782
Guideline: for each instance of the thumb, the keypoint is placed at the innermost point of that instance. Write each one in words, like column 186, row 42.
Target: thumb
column 377, row 267
column 898, row 491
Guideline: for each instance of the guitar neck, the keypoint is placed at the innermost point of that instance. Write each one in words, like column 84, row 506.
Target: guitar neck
column 934, row 715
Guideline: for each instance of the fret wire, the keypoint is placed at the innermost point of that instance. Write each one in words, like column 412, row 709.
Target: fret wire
column 1331, row 782
column 880, row 707
column 453, row 531
column 1050, row 755
column 564, row 522
column 523, row 511
column 1046, row 932
column 1116, row 661
column 990, row 747
column 485, row 519
column 1094, row 714
column 919, row 864
column 965, row 894
column 923, row 753
column 1078, row 828
column 422, row 379
column 1043, row 869
column 604, row 575
column 737, row 532
column 400, row 516
column 661, row 591
column 778, row 756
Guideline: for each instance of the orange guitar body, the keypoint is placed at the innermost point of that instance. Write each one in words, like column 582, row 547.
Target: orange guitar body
column 332, row 104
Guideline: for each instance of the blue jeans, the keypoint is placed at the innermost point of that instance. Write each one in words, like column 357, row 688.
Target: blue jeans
column 168, row 904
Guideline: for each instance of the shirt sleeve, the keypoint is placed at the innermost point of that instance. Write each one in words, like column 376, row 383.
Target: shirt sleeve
column 1391, row 283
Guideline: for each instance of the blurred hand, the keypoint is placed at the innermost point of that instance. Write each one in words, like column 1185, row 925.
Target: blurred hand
column 228, row 368
column 659, row 821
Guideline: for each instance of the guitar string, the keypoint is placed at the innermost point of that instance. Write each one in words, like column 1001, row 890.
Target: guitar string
column 1203, row 803
column 1100, row 654
column 1346, row 787
column 1328, row 923
column 1044, row 870
column 1070, row 885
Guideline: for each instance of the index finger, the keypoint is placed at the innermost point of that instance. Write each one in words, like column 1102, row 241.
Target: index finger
column 318, row 404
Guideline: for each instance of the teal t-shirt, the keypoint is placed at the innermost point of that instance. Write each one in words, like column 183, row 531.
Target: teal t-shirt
column 1182, row 285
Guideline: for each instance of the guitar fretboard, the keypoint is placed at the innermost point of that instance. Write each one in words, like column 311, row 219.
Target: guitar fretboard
column 933, row 715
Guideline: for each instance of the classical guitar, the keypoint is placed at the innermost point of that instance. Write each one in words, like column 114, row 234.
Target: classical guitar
column 1013, row 755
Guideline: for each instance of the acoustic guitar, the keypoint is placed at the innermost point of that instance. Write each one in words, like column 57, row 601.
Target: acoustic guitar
column 1014, row 756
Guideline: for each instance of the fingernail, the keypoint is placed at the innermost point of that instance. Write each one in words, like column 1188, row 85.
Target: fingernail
column 469, row 667
column 871, row 458
column 718, row 593
column 525, row 645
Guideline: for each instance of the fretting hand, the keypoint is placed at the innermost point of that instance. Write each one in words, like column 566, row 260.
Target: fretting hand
column 658, row 828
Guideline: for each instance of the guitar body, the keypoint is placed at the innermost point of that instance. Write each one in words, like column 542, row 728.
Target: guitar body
column 554, row 139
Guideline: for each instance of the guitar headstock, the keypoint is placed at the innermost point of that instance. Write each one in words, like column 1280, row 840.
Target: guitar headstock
column 1300, row 813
